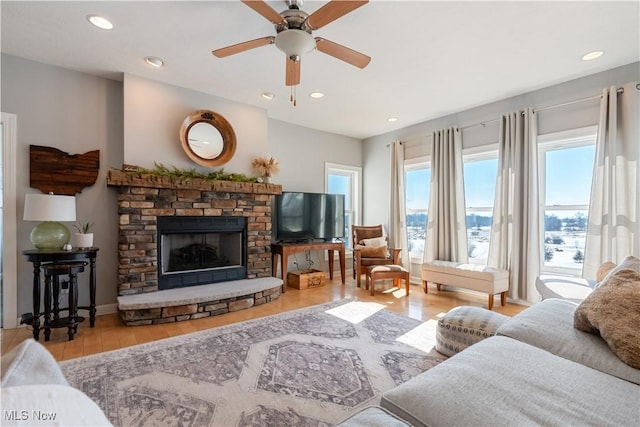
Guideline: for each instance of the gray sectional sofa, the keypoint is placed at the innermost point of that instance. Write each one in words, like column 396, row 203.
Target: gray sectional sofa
column 537, row 370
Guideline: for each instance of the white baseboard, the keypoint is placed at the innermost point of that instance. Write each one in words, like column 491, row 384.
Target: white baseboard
column 106, row 309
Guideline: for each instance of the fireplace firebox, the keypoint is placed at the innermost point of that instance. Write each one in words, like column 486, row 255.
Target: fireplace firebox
column 201, row 250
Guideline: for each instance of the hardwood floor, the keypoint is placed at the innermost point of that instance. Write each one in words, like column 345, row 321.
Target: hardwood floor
column 110, row 333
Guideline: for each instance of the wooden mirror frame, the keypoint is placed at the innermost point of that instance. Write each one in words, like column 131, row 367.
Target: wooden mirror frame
column 218, row 122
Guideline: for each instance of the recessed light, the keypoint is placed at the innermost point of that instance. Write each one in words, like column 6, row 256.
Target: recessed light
column 392, row 119
column 154, row 61
column 316, row 95
column 592, row 55
column 267, row 95
column 100, row 22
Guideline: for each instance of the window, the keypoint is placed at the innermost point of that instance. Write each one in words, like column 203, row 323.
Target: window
column 566, row 164
column 342, row 179
column 480, row 172
column 417, row 185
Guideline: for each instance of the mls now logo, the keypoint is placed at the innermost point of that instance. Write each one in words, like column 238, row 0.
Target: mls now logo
column 15, row 415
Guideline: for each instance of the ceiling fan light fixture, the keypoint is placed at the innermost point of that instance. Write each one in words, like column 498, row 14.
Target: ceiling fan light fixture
column 295, row 43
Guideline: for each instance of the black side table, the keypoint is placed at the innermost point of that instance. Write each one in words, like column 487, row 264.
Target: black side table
column 38, row 258
column 52, row 272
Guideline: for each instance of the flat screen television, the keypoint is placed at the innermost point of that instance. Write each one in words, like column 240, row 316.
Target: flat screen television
column 309, row 216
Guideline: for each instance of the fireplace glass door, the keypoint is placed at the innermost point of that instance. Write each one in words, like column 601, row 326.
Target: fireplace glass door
column 198, row 251
column 201, row 250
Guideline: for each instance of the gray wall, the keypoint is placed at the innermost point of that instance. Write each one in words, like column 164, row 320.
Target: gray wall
column 304, row 152
column 76, row 113
column 137, row 122
column 154, row 112
column 417, row 137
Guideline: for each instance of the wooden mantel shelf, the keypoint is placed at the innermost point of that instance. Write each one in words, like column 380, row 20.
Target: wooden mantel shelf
column 116, row 178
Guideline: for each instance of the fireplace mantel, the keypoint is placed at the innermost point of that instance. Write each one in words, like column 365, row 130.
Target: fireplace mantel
column 116, row 178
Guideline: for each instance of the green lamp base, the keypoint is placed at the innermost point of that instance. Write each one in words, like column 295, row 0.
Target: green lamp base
column 49, row 236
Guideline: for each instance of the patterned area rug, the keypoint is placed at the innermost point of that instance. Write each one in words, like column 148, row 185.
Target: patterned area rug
column 310, row 367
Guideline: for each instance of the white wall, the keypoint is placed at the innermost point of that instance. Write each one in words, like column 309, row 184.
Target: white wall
column 137, row 122
column 417, row 137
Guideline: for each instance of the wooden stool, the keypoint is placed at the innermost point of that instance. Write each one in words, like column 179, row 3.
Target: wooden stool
column 395, row 272
column 52, row 273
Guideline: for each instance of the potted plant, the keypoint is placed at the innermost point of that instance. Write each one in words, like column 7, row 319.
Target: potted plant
column 84, row 237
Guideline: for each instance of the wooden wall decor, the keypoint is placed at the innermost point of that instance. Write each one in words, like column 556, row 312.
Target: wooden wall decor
column 57, row 172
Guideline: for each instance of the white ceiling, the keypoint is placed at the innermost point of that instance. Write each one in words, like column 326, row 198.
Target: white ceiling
column 429, row 58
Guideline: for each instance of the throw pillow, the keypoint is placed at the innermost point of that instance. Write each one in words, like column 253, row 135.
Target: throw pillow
column 629, row 262
column 376, row 241
column 372, row 251
column 613, row 311
column 603, row 270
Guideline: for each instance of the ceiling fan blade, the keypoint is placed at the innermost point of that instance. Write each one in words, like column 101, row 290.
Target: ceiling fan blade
column 265, row 10
column 241, row 47
column 332, row 11
column 343, row 53
column 293, row 72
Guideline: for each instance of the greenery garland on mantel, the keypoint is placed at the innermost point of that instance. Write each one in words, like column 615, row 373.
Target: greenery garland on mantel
column 191, row 174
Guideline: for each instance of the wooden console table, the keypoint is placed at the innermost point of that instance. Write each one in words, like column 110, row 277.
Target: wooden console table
column 40, row 258
column 286, row 249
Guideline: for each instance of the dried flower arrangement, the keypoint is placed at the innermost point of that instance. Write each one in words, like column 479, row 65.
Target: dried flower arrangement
column 265, row 166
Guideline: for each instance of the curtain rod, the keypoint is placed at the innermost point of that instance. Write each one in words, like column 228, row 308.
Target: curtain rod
column 548, row 107
column 399, row 142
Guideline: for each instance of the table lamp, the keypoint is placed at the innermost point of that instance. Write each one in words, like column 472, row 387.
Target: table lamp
column 50, row 208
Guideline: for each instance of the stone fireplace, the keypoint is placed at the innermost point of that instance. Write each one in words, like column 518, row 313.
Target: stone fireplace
column 175, row 235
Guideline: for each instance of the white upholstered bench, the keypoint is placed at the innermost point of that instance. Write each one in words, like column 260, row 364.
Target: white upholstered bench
column 467, row 276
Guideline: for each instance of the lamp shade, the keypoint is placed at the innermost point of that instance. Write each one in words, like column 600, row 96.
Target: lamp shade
column 295, row 43
column 50, row 234
column 49, row 207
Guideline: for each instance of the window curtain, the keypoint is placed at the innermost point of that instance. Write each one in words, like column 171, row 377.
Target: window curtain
column 446, row 237
column 515, row 242
column 613, row 231
column 397, row 215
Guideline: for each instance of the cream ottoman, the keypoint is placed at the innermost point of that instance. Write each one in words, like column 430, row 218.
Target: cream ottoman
column 464, row 326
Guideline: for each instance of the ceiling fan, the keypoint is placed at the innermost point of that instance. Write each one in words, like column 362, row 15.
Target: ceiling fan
column 294, row 27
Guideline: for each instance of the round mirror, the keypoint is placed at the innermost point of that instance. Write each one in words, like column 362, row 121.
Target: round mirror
column 208, row 138
column 205, row 140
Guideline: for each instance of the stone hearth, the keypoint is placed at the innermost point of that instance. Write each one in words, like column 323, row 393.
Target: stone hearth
column 195, row 302
column 143, row 198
